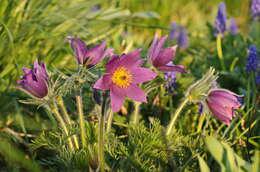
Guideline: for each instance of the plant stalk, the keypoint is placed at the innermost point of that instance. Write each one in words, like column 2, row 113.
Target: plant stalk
column 101, row 143
column 170, row 126
column 220, row 53
column 67, row 118
column 81, row 118
column 136, row 112
column 110, row 120
column 56, row 113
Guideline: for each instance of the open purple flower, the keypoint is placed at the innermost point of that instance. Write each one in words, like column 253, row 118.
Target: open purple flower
column 86, row 55
column 161, row 58
column 123, row 75
column 222, row 104
column 34, row 81
column 221, row 19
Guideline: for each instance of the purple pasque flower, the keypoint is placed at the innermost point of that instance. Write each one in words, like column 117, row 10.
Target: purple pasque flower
column 220, row 20
column 223, row 103
column 86, row 55
column 35, row 80
column 233, row 29
column 170, row 78
column 252, row 59
column 123, row 73
column 255, row 9
column 179, row 34
column 161, row 58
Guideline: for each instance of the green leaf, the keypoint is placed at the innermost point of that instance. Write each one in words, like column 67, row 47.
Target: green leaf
column 146, row 15
column 203, row 165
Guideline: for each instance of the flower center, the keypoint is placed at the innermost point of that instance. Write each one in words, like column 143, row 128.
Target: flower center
column 122, row 77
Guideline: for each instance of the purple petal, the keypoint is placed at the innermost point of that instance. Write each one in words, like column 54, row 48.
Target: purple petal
column 172, row 68
column 112, row 64
column 156, row 48
column 26, row 70
column 80, row 49
column 165, row 56
column 103, row 83
column 141, row 75
column 135, row 93
column 131, row 59
column 117, row 96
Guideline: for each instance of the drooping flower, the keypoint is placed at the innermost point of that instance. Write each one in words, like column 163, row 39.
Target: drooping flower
column 170, row 78
column 258, row 77
column 161, row 58
column 252, row 60
column 221, row 19
column 86, row 55
column 233, row 29
column 255, row 9
column 34, row 81
column 123, row 73
column 223, row 103
column 179, row 34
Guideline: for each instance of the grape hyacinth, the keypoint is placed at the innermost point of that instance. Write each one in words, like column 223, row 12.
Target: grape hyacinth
column 252, row 60
column 220, row 20
column 35, row 80
column 179, row 34
column 255, row 9
column 200, row 108
column 258, row 77
column 170, row 78
column 90, row 56
column 233, row 29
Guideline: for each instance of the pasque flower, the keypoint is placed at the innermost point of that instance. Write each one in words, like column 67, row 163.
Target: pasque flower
column 223, row 103
column 161, row 58
column 221, row 19
column 35, row 80
column 252, row 60
column 123, row 75
column 86, row 55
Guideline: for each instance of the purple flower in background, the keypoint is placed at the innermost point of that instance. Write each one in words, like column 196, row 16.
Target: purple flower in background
column 252, row 60
column 258, row 77
column 179, row 34
column 95, row 8
column 233, row 29
column 220, row 20
column 200, row 108
column 222, row 104
column 255, row 9
column 161, row 58
column 170, row 78
column 90, row 56
column 35, row 80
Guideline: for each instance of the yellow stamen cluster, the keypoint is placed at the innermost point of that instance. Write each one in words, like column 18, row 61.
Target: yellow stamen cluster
column 122, row 77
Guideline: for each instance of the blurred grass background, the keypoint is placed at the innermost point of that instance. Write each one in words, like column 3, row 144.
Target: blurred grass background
column 31, row 29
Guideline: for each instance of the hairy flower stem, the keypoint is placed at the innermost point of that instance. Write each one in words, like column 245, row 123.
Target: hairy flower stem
column 110, row 120
column 170, row 126
column 101, row 143
column 81, row 118
column 220, row 53
column 57, row 115
column 67, row 118
column 136, row 112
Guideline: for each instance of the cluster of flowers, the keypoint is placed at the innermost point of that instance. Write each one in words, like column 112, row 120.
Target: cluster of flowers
column 124, row 72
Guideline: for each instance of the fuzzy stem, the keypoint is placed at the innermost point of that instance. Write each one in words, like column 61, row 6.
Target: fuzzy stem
column 136, row 112
column 81, row 118
column 101, row 144
column 56, row 113
column 170, row 126
column 110, row 120
column 67, row 118
column 220, row 53
column 201, row 120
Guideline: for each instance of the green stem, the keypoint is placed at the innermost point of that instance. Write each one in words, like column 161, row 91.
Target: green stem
column 170, row 126
column 57, row 115
column 67, row 118
column 110, row 120
column 81, row 118
column 101, row 143
column 136, row 112
column 220, row 53
column 201, row 120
